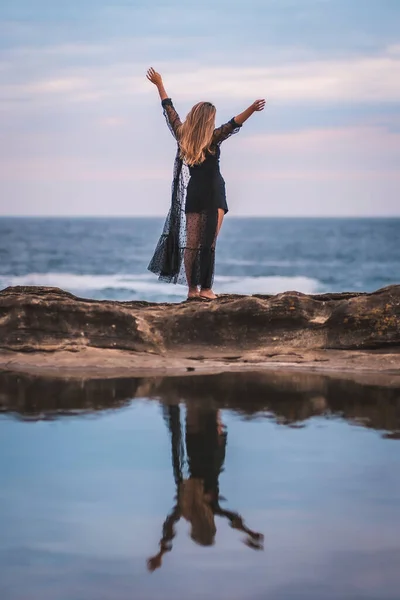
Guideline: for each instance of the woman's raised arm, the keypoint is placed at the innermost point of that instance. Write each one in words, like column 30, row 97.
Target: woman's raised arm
column 233, row 126
column 156, row 79
column 172, row 117
column 255, row 107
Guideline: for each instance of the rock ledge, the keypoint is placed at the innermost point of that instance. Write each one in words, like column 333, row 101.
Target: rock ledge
column 235, row 329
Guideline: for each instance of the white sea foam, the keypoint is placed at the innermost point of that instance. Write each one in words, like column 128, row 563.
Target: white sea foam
column 266, row 285
column 147, row 285
column 89, row 283
column 265, row 263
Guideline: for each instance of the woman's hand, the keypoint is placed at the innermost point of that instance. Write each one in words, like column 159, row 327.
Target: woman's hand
column 258, row 105
column 255, row 107
column 154, row 562
column 154, row 77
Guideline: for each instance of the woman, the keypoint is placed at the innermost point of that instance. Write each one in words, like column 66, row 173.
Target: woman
column 198, row 195
column 197, row 496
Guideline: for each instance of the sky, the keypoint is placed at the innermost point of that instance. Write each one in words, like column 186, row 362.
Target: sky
column 82, row 131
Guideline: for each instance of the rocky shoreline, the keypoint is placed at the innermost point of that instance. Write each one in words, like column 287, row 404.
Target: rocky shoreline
column 52, row 332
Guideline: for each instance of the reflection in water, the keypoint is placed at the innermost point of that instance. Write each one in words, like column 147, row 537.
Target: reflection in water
column 197, row 496
column 79, row 516
column 288, row 398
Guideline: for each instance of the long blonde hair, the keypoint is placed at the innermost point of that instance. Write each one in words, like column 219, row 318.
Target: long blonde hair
column 195, row 134
column 196, row 509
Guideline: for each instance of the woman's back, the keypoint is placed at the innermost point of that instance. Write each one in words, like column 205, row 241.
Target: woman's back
column 210, row 164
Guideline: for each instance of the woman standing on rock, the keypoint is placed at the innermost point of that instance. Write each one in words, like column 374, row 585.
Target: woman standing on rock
column 185, row 252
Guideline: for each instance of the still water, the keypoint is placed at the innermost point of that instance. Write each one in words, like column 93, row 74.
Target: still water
column 232, row 486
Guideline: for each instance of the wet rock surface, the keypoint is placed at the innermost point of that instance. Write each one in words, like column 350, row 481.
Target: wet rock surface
column 49, row 328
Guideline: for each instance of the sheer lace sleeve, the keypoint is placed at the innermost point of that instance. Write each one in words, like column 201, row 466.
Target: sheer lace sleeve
column 172, row 117
column 222, row 133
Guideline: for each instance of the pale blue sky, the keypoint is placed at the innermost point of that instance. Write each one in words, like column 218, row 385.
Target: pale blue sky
column 82, row 130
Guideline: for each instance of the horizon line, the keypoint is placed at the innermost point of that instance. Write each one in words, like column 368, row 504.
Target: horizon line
column 160, row 216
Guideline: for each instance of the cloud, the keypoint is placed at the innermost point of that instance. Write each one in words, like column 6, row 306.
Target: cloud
column 59, row 169
column 342, row 153
column 342, row 171
column 362, row 80
column 352, row 149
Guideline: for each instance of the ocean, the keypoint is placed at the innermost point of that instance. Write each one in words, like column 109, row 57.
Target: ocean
column 107, row 258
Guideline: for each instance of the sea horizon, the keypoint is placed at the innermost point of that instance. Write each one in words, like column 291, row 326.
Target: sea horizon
column 230, row 216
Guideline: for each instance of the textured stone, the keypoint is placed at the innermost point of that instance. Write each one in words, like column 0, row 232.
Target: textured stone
column 39, row 318
column 52, row 328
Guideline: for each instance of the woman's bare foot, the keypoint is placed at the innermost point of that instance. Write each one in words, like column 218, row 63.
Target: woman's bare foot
column 209, row 294
column 193, row 293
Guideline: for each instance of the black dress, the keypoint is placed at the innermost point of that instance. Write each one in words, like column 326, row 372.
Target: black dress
column 185, row 252
column 206, row 185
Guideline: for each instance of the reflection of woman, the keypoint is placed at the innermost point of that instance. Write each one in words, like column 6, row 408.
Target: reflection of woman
column 197, row 498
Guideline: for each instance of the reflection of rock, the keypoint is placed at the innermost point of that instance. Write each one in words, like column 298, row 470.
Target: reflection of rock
column 37, row 397
column 48, row 319
column 319, row 404
column 291, row 397
column 288, row 398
